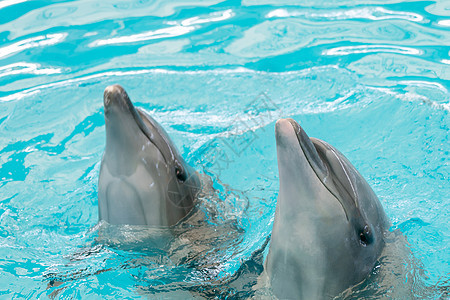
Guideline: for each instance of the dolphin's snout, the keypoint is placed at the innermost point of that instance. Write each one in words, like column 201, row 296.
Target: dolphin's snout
column 289, row 133
column 283, row 127
column 112, row 93
column 285, row 132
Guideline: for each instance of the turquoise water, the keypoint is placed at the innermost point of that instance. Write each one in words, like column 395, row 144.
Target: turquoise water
column 370, row 77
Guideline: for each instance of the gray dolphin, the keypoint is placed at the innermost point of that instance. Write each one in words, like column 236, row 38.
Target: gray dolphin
column 329, row 225
column 143, row 179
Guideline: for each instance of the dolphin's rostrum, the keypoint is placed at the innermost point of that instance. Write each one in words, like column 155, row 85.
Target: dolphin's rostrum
column 143, row 179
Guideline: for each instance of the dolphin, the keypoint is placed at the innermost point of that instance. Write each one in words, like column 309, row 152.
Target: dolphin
column 143, row 179
column 329, row 225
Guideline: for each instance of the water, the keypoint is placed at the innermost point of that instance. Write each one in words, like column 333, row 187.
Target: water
column 370, row 77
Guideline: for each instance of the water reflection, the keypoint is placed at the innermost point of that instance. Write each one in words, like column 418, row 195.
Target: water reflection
column 91, row 12
column 149, row 35
column 445, row 23
column 370, row 13
column 213, row 17
column 26, row 68
column 276, row 37
column 37, row 89
column 39, row 41
column 7, row 3
column 177, row 29
column 371, row 49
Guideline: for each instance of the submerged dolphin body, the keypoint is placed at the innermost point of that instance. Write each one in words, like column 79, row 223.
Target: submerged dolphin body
column 329, row 224
column 143, row 179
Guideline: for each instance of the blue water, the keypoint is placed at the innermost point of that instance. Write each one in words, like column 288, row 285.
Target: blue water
column 370, row 77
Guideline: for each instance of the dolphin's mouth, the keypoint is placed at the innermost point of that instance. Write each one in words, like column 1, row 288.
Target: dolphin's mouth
column 310, row 151
column 326, row 163
column 333, row 170
column 336, row 174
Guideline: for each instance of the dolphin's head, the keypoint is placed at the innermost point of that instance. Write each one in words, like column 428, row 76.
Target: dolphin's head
column 329, row 224
column 143, row 179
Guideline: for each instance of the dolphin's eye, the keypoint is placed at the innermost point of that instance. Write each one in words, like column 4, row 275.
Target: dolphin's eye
column 365, row 236
column 181, row 175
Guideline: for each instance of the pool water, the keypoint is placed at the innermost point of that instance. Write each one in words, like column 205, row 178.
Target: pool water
column 370, row 77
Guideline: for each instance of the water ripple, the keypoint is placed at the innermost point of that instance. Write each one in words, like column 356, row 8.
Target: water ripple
column 213, row 17
column 149, row 35
column 319, row 3
column 281, row 36
column 39, row 41
column 439, row 8
column 37, row 89
column 396, row 66
column 76, row 80
column 445, row 23
column 346, row 50
column 7, row 3
column 26, row 68
column 184, row 27
column 370, row 13
column 90, row 12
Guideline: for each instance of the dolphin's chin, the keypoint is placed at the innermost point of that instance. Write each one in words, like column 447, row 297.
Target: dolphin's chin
column 133, row 198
